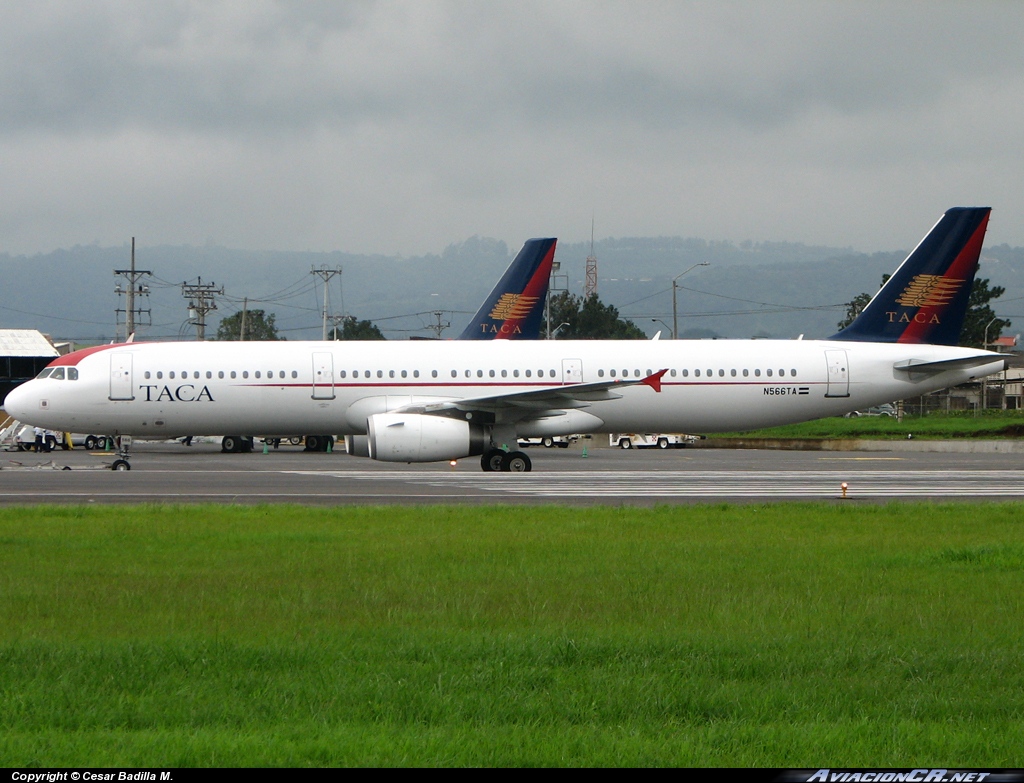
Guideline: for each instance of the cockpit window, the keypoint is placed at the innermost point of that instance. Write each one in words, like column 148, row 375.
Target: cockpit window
column 72, row 373
column 57, row 374
column 46, row 373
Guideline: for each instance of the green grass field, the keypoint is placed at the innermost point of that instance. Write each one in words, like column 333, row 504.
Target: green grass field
column 777, row 635
column 934, row 426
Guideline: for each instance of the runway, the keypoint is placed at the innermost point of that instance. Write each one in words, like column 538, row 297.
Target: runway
column 168, row 472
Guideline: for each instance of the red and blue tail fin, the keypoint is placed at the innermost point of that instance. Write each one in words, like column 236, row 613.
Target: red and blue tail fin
column 926, row 299
column 515, row 308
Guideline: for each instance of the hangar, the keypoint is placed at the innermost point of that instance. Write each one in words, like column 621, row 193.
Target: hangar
column 23, row 354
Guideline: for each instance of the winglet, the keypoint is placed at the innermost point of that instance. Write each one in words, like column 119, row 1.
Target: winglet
column 654, row 381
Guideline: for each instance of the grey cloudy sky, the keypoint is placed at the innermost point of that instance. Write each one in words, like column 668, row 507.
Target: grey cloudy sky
column 389, row 127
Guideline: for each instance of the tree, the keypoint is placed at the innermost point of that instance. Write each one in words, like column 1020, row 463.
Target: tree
column 856, row 306
column 980, row 315
column 589, row 319
column 351, row 329
column 258, row 326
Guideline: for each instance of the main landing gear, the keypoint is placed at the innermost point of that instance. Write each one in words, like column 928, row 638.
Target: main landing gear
column 505, row 461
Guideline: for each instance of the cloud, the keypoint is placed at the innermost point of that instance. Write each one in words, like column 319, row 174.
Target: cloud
column 404, row 126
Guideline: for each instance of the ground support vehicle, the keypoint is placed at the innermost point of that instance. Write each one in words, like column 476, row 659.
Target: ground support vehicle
column 650, row 440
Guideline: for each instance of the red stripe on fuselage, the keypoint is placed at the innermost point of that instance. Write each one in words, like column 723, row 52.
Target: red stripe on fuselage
column 72, row 359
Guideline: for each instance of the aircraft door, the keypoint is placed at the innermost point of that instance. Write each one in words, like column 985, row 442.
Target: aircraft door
column 572, row 371
column 323, row 376
column 838, row 374
column 121, row 376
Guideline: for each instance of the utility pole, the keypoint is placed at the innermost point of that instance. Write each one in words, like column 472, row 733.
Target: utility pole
column 325, row 274
column 675, row 286
column 440, row 326
column 200, row 301
column 132, row 289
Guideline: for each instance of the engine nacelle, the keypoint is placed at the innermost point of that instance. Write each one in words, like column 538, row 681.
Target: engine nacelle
column 415, row 437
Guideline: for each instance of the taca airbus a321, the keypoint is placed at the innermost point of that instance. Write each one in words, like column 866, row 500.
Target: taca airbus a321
column 433, row 401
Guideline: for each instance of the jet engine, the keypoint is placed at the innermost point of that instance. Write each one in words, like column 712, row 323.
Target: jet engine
column 415, row 437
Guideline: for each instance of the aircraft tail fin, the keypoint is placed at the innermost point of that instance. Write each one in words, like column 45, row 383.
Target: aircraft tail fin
column 514, row 309
column 926, row 299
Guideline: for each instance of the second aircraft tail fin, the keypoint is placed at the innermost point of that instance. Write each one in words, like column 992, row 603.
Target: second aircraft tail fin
column 514, row 309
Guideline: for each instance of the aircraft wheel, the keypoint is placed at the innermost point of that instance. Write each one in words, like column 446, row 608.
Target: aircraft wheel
column 120, row 465
column 491, row 460
column 548, row 442
column 231, row 444
column 90, row 443
column 625, row 443
column 246, row 446
column 295, row 441
column 662, row 443
column 516, row 462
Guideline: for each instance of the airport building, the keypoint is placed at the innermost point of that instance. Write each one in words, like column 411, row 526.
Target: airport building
column 23, row 354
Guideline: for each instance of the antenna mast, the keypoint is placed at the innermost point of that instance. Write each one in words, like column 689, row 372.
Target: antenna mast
column 590, row 286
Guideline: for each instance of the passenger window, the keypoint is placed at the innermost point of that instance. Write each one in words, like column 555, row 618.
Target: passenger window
column 504, row 373
column 515, row 373
column 600, row 373
column 404, row 374
column 769, row 373
column 721, row 373
column 171, row 375
column 746, row 373
column 233, row 375
column 479, row 373
column 490, row 373
column 612, row 373
column 245, row 373
column 686, row 373
column 757, row 373
column 672, row 372
column 220, row 373
column 257, row 373
column 146, row 374
column 380, row 373
column 415, row 373
column 209, row 374
column 433, row 373
column 793, row 373
column 455, row 374
column 527, row 373
column 732, row 373
column 295, row 374
column 342, row 373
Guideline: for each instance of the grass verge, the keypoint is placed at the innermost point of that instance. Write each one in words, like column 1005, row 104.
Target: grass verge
column 777, row 635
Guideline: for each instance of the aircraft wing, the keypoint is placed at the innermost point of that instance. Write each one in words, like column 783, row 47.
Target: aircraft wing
column 577, row 395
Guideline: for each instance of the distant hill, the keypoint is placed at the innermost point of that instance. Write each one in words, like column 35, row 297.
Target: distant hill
column 749, row 289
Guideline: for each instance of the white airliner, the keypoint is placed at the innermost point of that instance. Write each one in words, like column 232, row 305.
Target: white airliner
column 432, row 401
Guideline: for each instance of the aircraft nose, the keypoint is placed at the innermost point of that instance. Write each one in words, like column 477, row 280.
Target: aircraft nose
column 19, row 402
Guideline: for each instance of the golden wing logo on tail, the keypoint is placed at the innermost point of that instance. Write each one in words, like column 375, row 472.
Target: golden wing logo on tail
column 929, row 291
column 513, row 306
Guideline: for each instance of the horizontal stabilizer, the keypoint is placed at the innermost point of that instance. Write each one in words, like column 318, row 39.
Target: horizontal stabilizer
column 963, row 363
